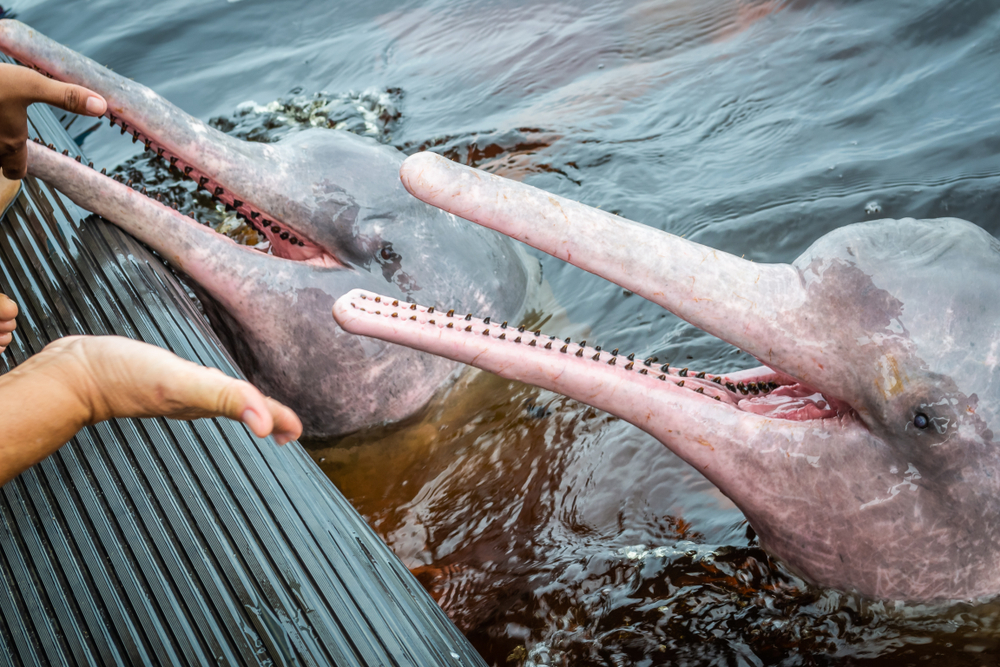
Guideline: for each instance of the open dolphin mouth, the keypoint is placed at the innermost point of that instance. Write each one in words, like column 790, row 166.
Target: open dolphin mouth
column 499, row 347
column 284, row 241
column 147, row 119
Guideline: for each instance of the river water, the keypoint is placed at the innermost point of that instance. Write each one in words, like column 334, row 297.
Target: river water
column 550, row 532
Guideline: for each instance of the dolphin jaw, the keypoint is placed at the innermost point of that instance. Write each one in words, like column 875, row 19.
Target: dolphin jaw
column 757, row 394
column 303, row 251
column 283, row 240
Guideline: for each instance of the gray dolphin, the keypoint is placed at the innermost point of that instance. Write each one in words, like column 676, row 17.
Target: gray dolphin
column 863, row 452
column 331, row 205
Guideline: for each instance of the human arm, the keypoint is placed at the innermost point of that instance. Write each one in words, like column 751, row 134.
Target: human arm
column 21, row 87
column 82, row 380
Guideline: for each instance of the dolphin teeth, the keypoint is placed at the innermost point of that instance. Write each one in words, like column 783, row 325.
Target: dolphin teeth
column 468, row 328
column 124, row 127
column 517, row 340
column 643, row 371
column 413, row 306
column 538, row 332
column 173, row 160
column 378, row 299
column 631, row 357
column 700, row 375
column 254, row 215
column 276, row 229
column 486, row 332
column 430, row 310
column 266, row 223
column 579, row 352
column 188, row 169
column 596, row 357
column 135, row 137
column 451, row 313
column 129, row 184
column 681, row 383
column 614, row 352
column 663, row 377
column 66, row 151
column 451, row 325
column 699, row 390
column 203, row 180
column 532, row 343
column 731, row 387
column 717, row 380
column 395, row 302
column 79, row 159
column 665, row 368
column 612, row 362
column 112, row 118
column 91, row 165
column 284, row 236
column 51, row 147
column 520, row 329
column 486, row 321
column 219, row 191
column 717, row 398
column 159, row 152
column 629, row 365
column 683, row 373
column 237, row 203
column 431, row 322
column 293, row 240
column 104, row 171
column 502, row 336
column 468, row 317
column 148, row 143
column 548, row 346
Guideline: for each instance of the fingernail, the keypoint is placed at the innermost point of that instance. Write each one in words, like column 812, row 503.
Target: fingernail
column 283, row 439
column 95, row 105
column 251, row 419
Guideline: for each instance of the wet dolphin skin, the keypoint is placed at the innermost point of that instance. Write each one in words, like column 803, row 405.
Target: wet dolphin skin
column 864, row 450
column 336, row 217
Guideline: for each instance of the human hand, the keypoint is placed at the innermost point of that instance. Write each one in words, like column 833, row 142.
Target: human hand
column 8, row 311
column 117, row 377
column 21, row 87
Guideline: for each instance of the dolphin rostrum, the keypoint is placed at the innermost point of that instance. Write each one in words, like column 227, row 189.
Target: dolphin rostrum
column 863, row 452
column 331, row 205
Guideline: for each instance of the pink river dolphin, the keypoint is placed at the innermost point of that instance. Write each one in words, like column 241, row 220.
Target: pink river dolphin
column 864, row 451
column 331, row 205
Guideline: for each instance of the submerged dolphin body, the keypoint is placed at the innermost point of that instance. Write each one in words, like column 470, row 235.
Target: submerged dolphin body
column 865, row 453
column 337, row 218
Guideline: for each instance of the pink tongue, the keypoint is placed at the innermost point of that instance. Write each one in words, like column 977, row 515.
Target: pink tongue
column 794, row 402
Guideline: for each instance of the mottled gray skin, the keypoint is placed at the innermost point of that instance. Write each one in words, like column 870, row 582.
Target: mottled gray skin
column 337, row 192
column 886, row 320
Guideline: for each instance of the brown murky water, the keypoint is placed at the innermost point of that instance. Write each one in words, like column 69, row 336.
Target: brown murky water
column 550, row 532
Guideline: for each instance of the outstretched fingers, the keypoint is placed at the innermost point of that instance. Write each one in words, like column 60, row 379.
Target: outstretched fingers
column 241, row 401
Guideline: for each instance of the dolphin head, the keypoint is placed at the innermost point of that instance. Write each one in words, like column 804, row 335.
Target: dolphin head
column 335, row 217
column 863, row 452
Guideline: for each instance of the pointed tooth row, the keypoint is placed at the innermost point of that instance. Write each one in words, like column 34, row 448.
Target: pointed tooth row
column 701, row 382
column 252, row 217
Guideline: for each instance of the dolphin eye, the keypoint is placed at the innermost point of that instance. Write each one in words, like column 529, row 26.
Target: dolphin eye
column 921, row 421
